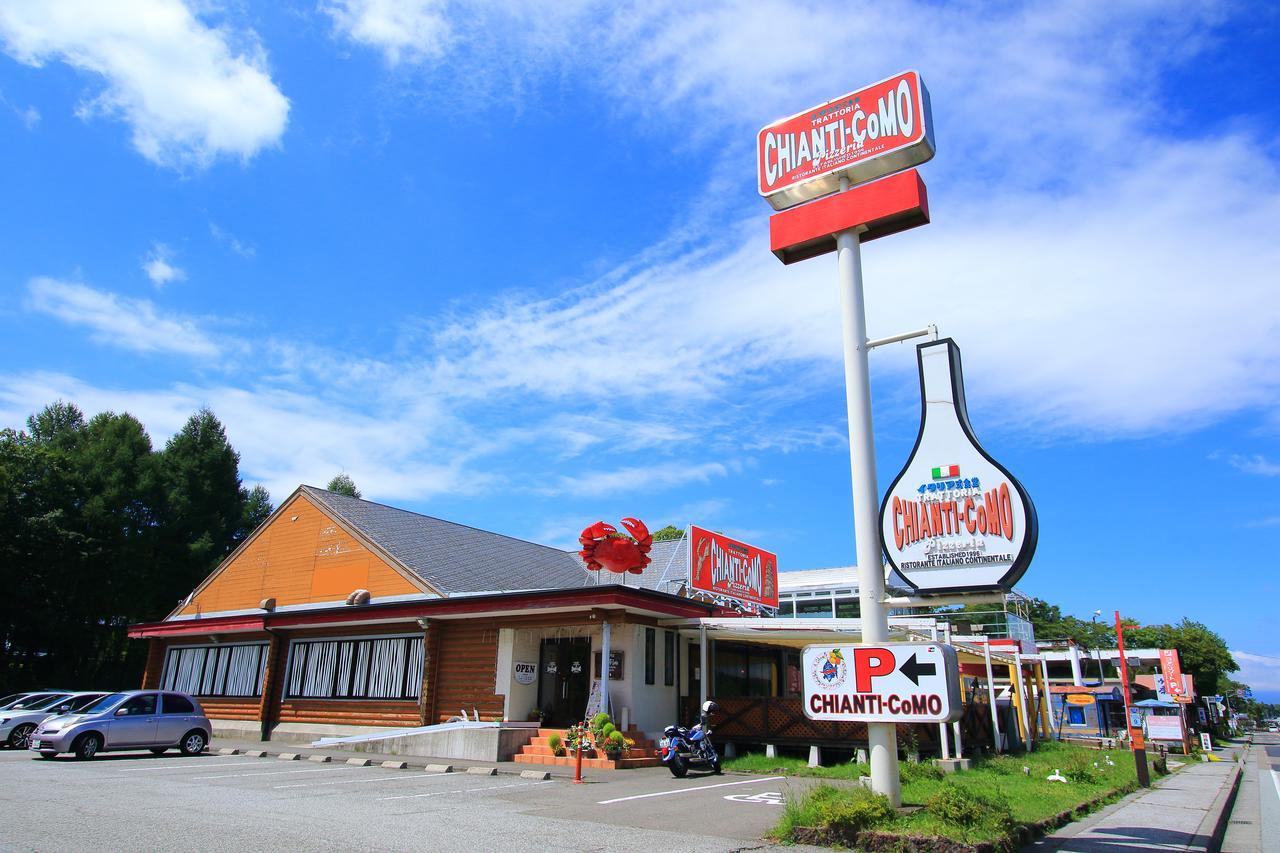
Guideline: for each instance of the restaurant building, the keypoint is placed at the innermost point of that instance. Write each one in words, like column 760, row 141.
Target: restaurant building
column 345, row 617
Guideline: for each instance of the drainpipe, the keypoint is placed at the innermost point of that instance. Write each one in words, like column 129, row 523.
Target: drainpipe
column 702, row 664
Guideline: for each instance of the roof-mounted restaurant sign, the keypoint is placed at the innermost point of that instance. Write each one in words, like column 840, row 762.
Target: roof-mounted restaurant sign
column 955, row 520
column 726, row 568
column 875, row 131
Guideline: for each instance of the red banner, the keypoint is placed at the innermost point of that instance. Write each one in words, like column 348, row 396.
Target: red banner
column 723, row 566
column 1171, row 669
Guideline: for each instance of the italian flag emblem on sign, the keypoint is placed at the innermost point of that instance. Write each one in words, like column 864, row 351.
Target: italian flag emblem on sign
column 946, row 471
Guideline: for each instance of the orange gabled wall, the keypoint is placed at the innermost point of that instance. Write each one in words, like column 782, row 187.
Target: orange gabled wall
column 300, row 558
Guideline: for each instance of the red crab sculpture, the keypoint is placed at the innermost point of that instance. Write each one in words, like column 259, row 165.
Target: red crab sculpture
column 603, row 547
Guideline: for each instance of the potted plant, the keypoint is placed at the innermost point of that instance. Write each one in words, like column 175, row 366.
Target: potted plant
column 576, row 736
column 556, row 743
column 535, row 716
column 615, row 744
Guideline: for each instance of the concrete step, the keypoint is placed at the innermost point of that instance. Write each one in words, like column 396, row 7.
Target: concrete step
column 597, row 763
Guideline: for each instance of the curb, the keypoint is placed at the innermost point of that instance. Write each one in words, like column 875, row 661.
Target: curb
column 1213, row 829
column 394, row 764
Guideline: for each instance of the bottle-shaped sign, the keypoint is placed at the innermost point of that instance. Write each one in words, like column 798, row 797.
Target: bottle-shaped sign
column 954, row 520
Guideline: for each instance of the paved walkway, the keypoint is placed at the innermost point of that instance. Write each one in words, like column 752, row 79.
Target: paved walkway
column 1181, row 813
column 1256, row 815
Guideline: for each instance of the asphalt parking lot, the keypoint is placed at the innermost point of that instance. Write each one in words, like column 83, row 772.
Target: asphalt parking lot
column 172, row 802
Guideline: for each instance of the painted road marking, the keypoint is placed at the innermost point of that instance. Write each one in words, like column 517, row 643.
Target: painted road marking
column 269, row 773
column 768, row 798
column 204, row 764
column 359, row 781
column 689, row 790
column 467, row 790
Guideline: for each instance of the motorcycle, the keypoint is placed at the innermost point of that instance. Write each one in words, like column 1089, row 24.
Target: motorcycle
column 682, row 748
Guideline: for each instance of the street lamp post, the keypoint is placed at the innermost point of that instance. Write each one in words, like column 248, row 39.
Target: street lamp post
column 1136, row 740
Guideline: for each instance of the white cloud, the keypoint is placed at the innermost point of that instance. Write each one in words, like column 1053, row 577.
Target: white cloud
column 241, row 248
column 158, row 267
column 1255, row 464
column 133, row 324
column 189, row 92
column 1261, row 672
column 639, row 478
column 404, row 30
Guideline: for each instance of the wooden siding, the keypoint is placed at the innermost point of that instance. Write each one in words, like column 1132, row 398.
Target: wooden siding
column 155, row 665
column 305, row 561
column 465, row 670
column 349, row 712
column 230, row 708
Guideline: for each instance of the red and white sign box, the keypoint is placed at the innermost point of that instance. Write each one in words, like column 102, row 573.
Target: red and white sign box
column 875, row 131
column 1171, row 669
column 731, row 569
column 885, row 683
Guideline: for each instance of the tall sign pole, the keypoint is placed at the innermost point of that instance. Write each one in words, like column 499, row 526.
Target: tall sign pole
column 876, row 132
column 882, row 737
column 1137, row 742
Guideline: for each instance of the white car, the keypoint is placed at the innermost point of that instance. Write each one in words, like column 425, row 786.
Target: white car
column 17, row 723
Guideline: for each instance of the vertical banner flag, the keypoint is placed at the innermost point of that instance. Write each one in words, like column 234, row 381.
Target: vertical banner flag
column 1171, row 669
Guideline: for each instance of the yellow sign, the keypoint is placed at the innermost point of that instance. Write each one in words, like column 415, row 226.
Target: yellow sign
column 1079, row 699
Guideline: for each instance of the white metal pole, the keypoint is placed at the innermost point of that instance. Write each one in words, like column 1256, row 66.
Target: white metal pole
column 1048, row 695
column 991, row 697
column 604, row 667
column 942, row 741
column 703, row 675
column 882, row 737
column 1077, row 676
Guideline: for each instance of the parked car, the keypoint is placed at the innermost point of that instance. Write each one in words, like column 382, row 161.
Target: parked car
column 17, row 724
column 31, row 697
column 134, row 719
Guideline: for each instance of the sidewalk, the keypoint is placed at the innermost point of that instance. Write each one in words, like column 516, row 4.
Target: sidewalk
column 1186, row 811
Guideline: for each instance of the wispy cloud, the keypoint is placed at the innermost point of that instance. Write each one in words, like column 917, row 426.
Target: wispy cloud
column 241, row 248
column 640, row 478
column 159, row 267
column 1261, row 672
column 1254, row 464
column 186, row 92
column 132, row 324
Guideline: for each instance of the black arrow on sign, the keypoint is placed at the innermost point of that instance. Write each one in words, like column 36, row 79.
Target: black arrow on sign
column 913, row 669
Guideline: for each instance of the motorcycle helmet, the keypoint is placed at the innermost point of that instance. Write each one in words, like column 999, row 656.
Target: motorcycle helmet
column 709, row 707
column 671, row 731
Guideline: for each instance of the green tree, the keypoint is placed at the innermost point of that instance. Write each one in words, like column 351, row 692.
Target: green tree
column 1202, row 652
column 344, row 485
column 257, row 509
column 203, row 496
column 670, row 533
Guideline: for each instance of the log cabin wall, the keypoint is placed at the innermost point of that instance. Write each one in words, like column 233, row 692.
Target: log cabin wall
column 466, row 669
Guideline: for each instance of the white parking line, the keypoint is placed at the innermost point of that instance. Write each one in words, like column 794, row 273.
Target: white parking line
column 204, row 763
column 378, row 779
column 467, row 790
column 268, row 773
column 689, row 790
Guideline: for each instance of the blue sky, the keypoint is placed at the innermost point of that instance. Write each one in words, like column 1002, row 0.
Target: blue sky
column 505, row 264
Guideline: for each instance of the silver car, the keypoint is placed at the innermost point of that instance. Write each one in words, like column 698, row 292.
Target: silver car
column 18, row 722
column 134, row 719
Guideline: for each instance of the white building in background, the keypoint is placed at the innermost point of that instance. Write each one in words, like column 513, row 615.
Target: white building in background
column 833, row 593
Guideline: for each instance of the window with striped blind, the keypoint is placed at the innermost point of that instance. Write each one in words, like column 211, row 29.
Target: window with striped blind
column 369, row 668
column 222, row 670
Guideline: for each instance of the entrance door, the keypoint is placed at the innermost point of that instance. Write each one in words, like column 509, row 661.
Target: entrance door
column 564, row 680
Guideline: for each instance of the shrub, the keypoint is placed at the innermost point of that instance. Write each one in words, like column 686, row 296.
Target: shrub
column 556, row 744
column 1080, row 768
column 960, row 806
column 918, row 772
column 615, row 743
column 598, row 721
column 828, row 807
column 607, row 729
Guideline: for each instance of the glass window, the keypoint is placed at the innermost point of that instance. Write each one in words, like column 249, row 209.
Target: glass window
column 105, row 703
column 45, row 703
column 787, row 608
column 848, row 608
column 223, row 670
column 668, row 658
column 1075, row 715
column 175, row 704
column 83, row 702
column 143, row 705
column 817, row 608
column 650, row 654
column 745, row 670
column 376, row 668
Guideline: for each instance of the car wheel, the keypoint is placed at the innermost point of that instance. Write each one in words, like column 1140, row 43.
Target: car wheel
column 87, row 746
column 159, row 750
column 193, row 742
column 47, row 753
column 20, row 737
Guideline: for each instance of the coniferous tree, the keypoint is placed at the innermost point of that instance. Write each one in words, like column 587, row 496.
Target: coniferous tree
column 344, row 485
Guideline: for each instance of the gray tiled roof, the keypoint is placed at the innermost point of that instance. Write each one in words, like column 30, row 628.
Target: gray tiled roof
column 453, row 558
